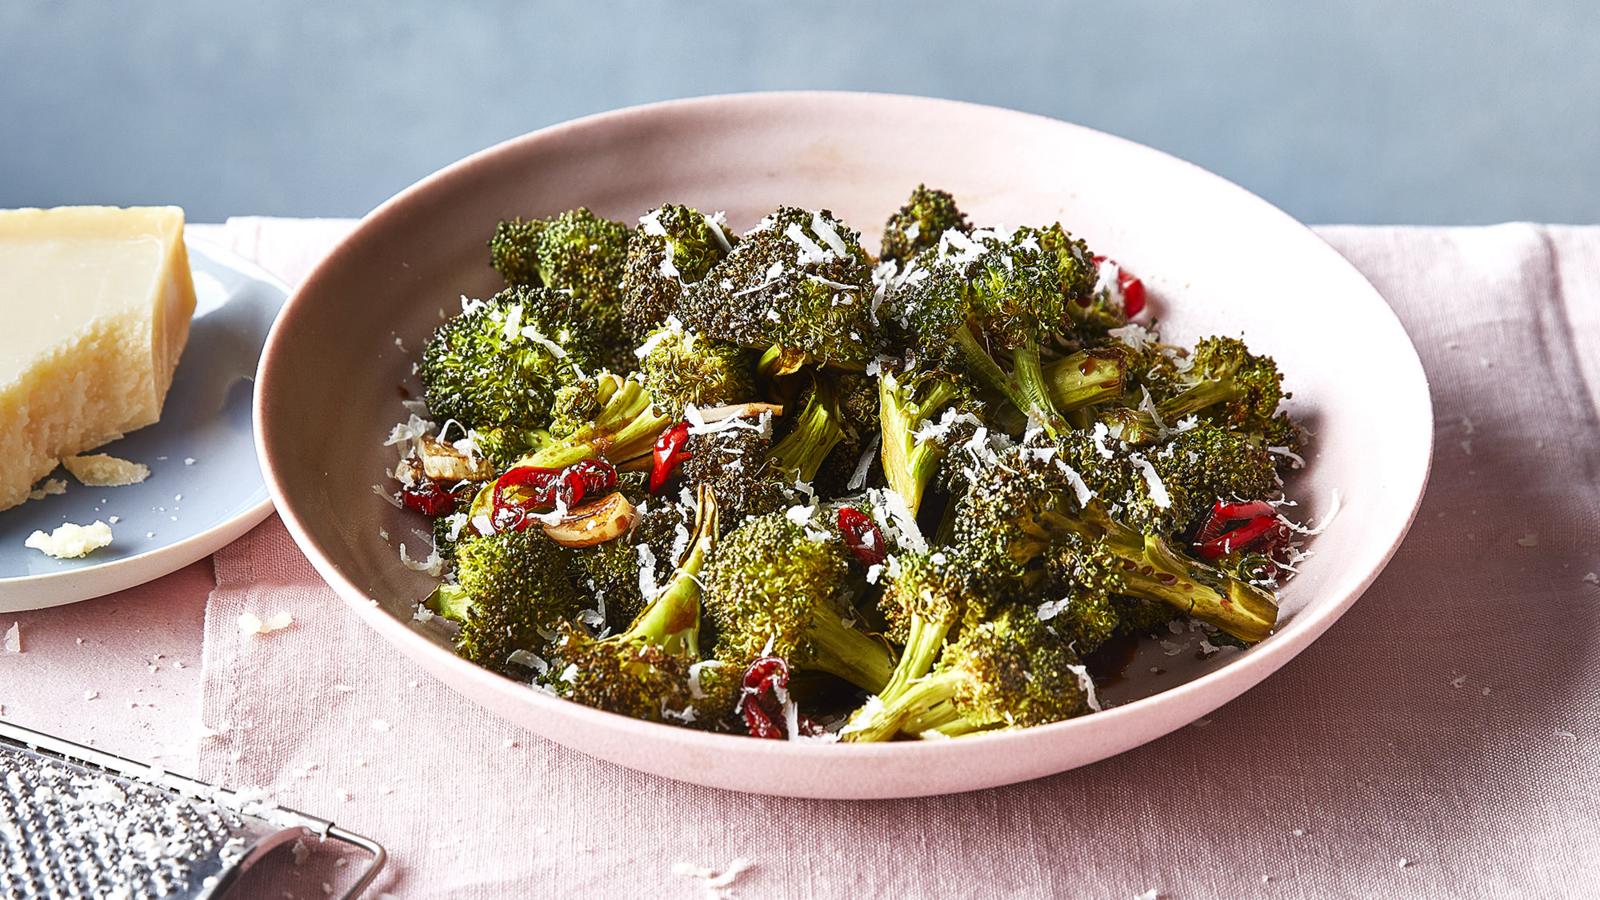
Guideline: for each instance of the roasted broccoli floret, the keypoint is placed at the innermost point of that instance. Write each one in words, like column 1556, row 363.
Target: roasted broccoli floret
column 1010, row 671
column 771, row 590
column 1204, row 464
column 678, row 367
column 815, row 430
column 920, row 223
column 988, row 307
column 674, row 247
column 514, row 251
column 1023, row 510
column 580, row 254
column 856, row 403
column 644, row 671
column 615, row 570
column 798, row 280
column 1229, row 384
column 927, row 595
column 623, row 431
column 499, row 363
column 513, row 589
column 733, row 462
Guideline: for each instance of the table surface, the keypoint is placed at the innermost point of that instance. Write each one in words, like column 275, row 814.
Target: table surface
column 1399, row 748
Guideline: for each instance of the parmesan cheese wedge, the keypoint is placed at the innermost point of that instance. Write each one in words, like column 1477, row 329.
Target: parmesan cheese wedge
column 97, row 302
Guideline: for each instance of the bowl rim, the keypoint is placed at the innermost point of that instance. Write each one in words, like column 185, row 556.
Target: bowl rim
column 1203, row 694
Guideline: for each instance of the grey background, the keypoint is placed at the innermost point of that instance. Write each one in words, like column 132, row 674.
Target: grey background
column 1354, row 111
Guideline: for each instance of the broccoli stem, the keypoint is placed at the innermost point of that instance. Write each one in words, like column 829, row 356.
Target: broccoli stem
column 1026, row 388
column 671, row 620
column 1085, row 379
column 924, row 639
column 1151, row 569
column 625, row 430
column 924, row 705
column 907, row 463
column 1200, row 397
column 840, row 649
column 816, row 432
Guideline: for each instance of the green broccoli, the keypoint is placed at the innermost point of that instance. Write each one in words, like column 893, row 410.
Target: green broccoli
column 988, row 307
column 644, row 671
column 513, row 589
column 674, row 247
column 623, row 431
column 679, row 367
column 1010, row 671
column 798, row 280
column 514, row 251
column 927, row 595
column 1227, row 383
column 733, row 462
column 920, row 223
column 771, row 590
column 1204, row 464
column 1023, row 508
column 612, row 570
column 814, row 432
column 581, row 254
column 499, row 363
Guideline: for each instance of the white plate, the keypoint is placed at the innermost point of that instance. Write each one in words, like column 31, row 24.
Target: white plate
column 184, row 510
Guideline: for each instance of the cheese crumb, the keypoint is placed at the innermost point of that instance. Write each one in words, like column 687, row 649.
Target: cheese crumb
column 716, row 883
column 14, row 638
column 49, row 487
column 1592, row 578
column 71, row 541
column 105, row 470
column 250, row 623
column 1528, row 540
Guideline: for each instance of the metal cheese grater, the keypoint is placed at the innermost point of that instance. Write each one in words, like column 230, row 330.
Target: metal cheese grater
column 76, row 822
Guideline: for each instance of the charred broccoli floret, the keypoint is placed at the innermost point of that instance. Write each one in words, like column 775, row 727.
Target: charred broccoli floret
column 514, row 251
column 989, row 306
column 513, row 590
column 920, row 223
column 580, row 254
column 623, row 431
column 927, row 595
column 674, row 247
column 678, row 367
column 771, row 590
column 733, row 462
column 798, row 280
column 618, row 571
column 1010, row 671
column 498, row 364
column 1023, row 509
column 644, row 671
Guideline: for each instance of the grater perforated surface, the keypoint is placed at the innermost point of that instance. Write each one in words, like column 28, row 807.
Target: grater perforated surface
column 79, row 823
column 68, row 831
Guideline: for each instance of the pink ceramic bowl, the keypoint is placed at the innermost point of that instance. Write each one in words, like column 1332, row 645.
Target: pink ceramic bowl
column 1215, row 257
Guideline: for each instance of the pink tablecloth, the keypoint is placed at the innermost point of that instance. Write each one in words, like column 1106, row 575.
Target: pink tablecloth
column 1441, row 740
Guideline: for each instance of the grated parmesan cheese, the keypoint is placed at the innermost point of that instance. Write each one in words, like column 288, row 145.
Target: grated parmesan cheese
column 48, row 488
column 70, row 541
column 105, row 470
column 1152, row 480
column 252, row 624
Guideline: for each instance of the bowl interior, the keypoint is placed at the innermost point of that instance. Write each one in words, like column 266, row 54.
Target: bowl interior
column 1215, row 258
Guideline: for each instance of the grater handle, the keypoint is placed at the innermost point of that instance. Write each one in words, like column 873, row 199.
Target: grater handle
column 374, row 865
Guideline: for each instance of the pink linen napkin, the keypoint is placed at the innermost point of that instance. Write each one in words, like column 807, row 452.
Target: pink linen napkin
column 1440, row 740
